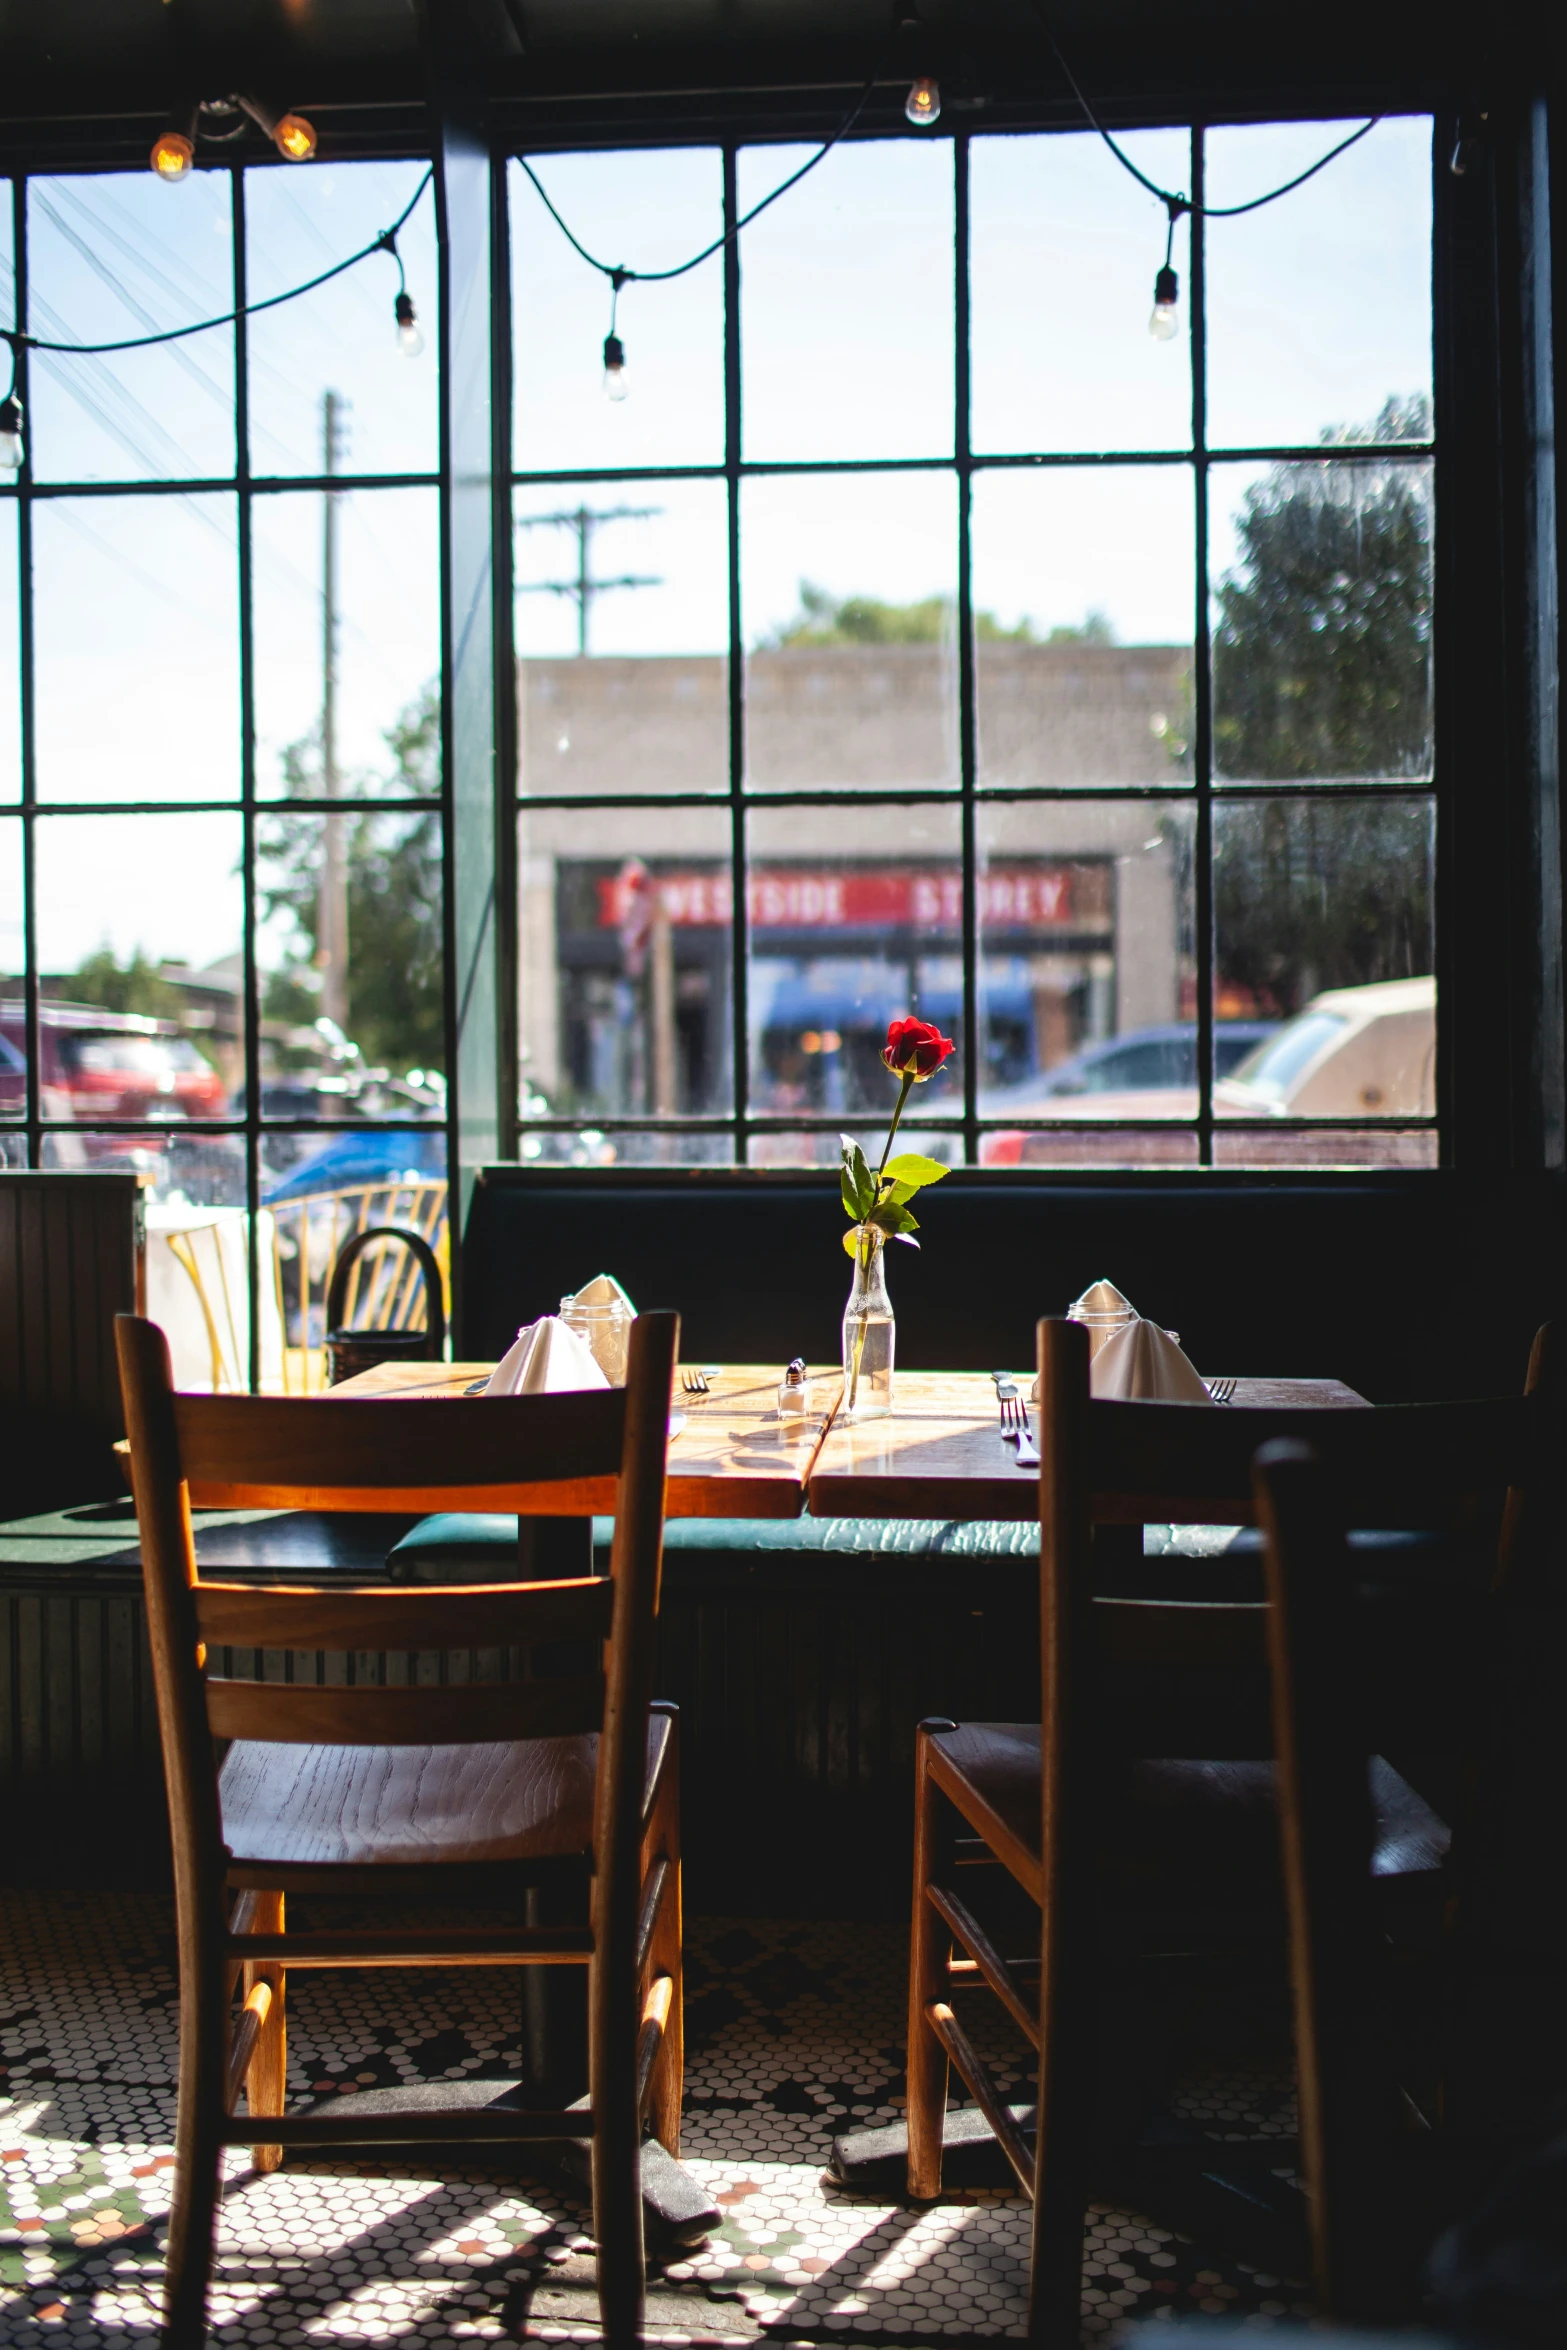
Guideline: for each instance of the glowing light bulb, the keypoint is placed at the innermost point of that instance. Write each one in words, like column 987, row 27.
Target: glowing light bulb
column 1165, row 323
column 409, row 339
column 294, row 138
column 172, row 155
column 923, row 104
column 615, row 384
column 11, row 448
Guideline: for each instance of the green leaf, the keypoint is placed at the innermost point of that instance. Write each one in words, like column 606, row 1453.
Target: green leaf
column 911, row 1171
column 858, row 1184
column 892, row 1218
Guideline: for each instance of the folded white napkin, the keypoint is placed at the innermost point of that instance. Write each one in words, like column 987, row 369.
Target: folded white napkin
column 602, row 1290
column 1140, row 1363
column 545, row 1359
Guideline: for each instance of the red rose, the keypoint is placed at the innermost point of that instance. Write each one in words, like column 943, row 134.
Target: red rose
column 915, row 1049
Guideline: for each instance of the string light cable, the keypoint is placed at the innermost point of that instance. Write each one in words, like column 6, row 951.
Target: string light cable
column 410, row 339
column 1167, row 285
column 618, row 275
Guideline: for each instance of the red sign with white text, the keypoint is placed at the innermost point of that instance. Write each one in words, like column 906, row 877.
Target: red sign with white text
column 889, row 897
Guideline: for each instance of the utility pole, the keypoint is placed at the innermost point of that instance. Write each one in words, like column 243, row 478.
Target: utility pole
column 584, row 520
column 332, row 886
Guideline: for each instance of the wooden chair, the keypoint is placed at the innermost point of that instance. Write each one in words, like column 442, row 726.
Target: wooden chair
column 276, row 1788
column 1146, row 1683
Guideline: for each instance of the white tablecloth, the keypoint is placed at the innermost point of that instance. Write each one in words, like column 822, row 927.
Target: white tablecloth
column 198, row 1292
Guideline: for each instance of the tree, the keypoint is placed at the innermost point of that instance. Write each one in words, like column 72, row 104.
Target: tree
column 394, row 898
column 1322, row 650
column 1321, row 670
column 137, row 985
column 865, row 620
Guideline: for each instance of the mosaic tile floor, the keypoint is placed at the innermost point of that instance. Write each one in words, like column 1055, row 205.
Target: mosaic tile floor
column 795, row 2033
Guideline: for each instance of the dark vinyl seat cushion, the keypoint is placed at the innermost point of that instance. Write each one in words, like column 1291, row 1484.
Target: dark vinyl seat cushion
column 1180, row 1814
column 335, row 1807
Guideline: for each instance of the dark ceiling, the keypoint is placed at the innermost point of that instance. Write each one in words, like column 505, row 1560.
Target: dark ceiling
column 86, row 78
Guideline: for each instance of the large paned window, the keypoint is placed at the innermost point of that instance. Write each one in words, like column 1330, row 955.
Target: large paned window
column 921, row 634
column 221, row 851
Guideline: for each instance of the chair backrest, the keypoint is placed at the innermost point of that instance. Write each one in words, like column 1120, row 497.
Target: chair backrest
column 552, row 1455
column 1437, row 1465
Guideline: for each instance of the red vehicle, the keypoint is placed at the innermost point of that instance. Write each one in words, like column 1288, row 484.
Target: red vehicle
column 99, row 1065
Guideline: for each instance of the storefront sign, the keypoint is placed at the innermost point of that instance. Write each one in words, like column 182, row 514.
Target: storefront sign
column 888, row 897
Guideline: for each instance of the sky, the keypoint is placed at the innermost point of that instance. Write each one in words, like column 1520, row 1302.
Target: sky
column 1318, row 310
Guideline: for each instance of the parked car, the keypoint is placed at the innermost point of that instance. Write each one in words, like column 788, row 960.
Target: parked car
column 1143, row 1060
column 96, row 1065
column 1354, row 1052
column 335, row 1162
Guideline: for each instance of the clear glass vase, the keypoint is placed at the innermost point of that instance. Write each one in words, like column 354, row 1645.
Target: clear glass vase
column 868, row 1331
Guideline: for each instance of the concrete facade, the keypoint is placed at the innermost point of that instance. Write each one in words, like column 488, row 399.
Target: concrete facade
column 1084, row 905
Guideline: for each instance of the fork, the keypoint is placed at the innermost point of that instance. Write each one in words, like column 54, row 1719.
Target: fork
column 1014, row 1415
column 695, row 1382
column 1221, row 1390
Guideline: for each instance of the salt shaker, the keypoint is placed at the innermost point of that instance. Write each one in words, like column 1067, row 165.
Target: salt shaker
column 794, row 1395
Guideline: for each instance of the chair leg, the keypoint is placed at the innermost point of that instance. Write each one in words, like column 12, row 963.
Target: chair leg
column 617, row 2204
column 930, row 1949
column 266, row 2081
column 198, row 2150
column 664, row 1958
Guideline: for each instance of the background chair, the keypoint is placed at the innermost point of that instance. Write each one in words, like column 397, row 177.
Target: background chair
column 442, row 1792
column 1155, row 1725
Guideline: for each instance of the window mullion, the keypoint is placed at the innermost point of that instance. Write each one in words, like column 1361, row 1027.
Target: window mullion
column 739, row 935
column 1202, row 671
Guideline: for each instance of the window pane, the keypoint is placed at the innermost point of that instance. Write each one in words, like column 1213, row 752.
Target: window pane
column 1323, row 924
column 1319, row 306
column 319, row 1190
column 1088, row 1002
column 670, row 203
column 1085, row 1146
column 856, row 919
column 13, row 1014
column 181, row 1171
column 849, row 589
column 1083, row 594
column 386, row 734
column 351, row 955
column 818, row 1146
column 343, row 337
column 139, row 927
column 1327, row 1146
column 846, row 303
column 1065, row 249
column 623, row 963
column 10, row 657
column 114, row 257
column 150, row 584
column 1322, row 621
column 650, row 710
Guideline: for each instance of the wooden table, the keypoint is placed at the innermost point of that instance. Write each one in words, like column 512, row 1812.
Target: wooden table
column 939, row 1455
column 732, row 1458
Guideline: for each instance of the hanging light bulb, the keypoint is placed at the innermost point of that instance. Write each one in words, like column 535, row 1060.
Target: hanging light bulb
column 409, row 339
column 12, row 450
column 615, row 384
column 172, row 155
column 923, row 104
column 295, row 139
column 1164, row 325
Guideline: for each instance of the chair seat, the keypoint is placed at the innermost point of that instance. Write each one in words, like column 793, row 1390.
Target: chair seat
column 326, row 1807
column 1180, row 1812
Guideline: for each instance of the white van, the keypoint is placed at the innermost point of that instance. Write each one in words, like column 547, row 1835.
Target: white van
column 1354, row 1052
